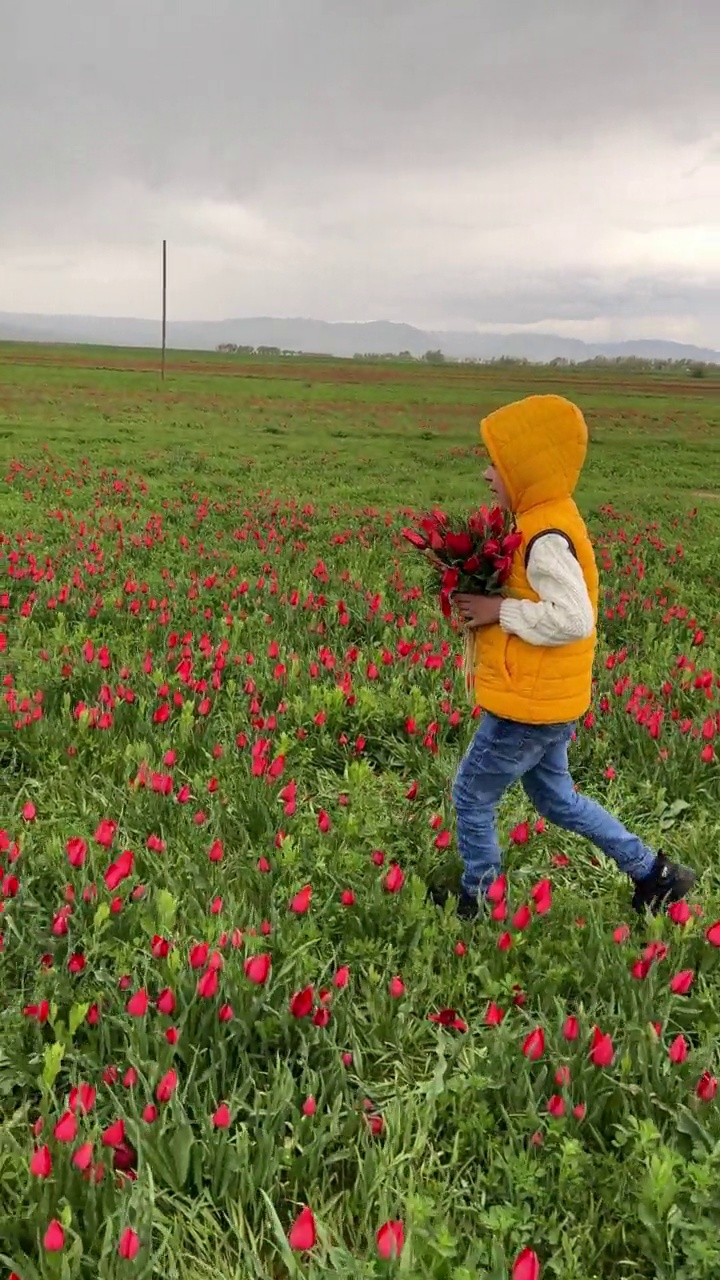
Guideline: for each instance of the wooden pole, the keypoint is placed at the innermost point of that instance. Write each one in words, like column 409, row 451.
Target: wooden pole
column 164, row 307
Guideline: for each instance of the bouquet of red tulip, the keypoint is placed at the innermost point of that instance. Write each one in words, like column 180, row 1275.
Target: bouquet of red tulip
column 472, row 555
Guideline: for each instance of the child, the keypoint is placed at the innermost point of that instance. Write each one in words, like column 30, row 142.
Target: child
column 533, row 660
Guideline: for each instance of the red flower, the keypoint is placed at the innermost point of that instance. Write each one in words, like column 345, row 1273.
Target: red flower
column 257, row 969
column 76, row 850
column 526, row 1266
column 129, row 1245
column 54, row 1238
column 390, row 1238
column 494, row 1015
column 221, row 1118
column 208, row 983
column 167, row 1086
column 302, row 1234
column 522, row 918
column 29, row 812
column 105, row 833
column 166, row 1002
column 301, row 902
column 601, row 1049
column 114, row 1135
column 521, row 833
column 301, row 1003
column 82, row 1098
column 448, row 1018
column 137, row 1005
column 66, row 1128
column 41, row 1162
column 534, row 1044
column 713, row 934
column 707, row 1087
column 681, row 983
column 396, row 988
column 556, row 1106
column 82, row 1158
column 678, row 1050
column 459, row 545
column 342, row 977
column 497, row 891
column 394, row 879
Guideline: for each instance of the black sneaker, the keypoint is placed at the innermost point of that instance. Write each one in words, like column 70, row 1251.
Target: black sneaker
column 467, row 904
column 668, row 882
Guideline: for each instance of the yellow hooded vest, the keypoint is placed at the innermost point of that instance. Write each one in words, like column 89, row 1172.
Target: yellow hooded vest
column 538, row 446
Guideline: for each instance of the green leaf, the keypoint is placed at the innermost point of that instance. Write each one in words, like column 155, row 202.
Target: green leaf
column 689, row 1124
column 77, row 1016
column 52, row 1058
column 180, row 1149
column 166, row 909
column 102, row 914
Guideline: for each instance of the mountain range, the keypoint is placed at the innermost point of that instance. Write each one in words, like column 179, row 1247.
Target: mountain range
column 323, row 338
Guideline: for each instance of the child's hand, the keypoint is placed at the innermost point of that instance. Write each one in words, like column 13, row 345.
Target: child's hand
column 479, row 611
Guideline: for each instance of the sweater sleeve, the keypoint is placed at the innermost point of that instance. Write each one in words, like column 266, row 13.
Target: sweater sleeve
column 564, row 612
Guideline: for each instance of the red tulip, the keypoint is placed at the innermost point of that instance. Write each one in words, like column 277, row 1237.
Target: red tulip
column 129, row 1246
column 522, row 918
column 526, row 1266
column 534, row 1044
column 494, row 1015
column 396, row 988
column 41, row 1163
column 166, row 1086
column 54, row 1238
column 713, row 934
column 394, row 879
column 678, row 1050
column 707, row 1087
column 601, row 1049
column 390, row 1239
column 114, row 1135
column 301, row 902
column 302, row 1234
column 681, row 983
column 257, row 969
column 83, row 1157
column 571, row 1028
column 556, row 1106
column 301, row 1003
column 497, row 891
column 221, row 1118
column 66, row 1128
column 137, row 1005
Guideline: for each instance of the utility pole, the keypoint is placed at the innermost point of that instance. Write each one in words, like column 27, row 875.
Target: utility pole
column 164, row 307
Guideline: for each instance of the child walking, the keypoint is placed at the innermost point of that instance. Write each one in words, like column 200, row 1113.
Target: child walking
column 533, row 660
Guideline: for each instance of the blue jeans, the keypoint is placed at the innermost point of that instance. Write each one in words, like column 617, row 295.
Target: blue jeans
column 503, row 752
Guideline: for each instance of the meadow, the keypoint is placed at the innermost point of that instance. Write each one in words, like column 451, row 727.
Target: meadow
column 236, row 1040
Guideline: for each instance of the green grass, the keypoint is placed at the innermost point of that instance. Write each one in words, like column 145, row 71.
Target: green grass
column 201, row 533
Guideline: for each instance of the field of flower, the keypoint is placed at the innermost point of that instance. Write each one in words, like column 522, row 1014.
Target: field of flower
column 236, row 1041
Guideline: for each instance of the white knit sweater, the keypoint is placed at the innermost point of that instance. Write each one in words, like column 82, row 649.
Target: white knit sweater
column 564, row 611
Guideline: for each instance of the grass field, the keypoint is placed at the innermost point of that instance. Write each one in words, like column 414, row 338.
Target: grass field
column 230, row 718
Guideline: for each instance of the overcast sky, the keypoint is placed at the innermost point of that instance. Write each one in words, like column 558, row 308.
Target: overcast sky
column 453, row 163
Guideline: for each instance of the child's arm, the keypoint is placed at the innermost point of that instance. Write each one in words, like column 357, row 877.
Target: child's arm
column 564, row 612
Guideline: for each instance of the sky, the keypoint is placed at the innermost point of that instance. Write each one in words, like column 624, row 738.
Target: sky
column 457, row 164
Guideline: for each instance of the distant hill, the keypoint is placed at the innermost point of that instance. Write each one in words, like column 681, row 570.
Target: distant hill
column 318, row 336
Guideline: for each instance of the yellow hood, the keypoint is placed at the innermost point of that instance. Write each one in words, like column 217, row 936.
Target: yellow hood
column 538, row 446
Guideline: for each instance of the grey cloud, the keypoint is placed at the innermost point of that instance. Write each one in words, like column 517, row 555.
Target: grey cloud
column 498, row 160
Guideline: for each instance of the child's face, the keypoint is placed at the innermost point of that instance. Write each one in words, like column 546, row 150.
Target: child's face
column 493, row 479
